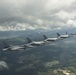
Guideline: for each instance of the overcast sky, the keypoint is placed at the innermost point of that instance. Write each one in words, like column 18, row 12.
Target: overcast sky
column 37, row 14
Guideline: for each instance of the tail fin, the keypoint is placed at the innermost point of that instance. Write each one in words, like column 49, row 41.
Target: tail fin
column 58, row 34
column 29, row 40
column 45, row 37
column 66, row 32
column 5, row 44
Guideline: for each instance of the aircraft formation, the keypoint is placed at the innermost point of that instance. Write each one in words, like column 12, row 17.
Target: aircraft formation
column 32, row 44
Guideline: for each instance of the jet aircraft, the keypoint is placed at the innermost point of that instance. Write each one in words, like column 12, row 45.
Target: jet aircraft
column 49, row 39
column 35, row 43
column 63, row 36
column 14, row 48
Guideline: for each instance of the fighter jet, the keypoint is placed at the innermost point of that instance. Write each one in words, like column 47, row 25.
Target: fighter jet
column 35, row 43
column 63, row 36
column 13, row 48
column 72, row 34
column 49, row 39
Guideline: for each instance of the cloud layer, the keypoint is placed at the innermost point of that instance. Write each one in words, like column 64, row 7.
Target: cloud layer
column 35, row 14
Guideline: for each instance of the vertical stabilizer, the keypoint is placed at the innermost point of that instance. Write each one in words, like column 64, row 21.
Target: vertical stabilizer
column 66, row 32
column 29, row 40
column 58, row 34
column 45, row 37
column 6, row 45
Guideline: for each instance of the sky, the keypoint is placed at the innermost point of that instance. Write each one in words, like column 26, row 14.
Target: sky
column 37, row 14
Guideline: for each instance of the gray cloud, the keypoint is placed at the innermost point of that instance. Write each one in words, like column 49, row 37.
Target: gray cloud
column 34, row 14
column 3, row 65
